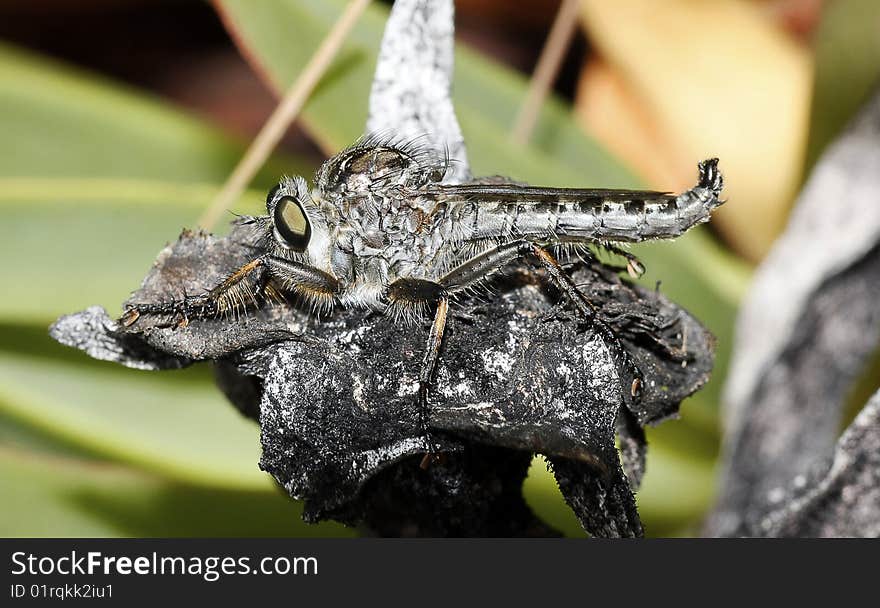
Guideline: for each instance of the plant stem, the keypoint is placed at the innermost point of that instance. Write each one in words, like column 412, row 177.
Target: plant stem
column 546, row 70
column 291, row 104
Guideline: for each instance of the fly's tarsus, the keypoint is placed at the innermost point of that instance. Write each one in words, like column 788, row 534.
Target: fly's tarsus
column 180, row 312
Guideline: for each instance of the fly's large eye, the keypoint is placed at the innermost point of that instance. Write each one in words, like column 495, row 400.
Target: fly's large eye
column 291, row 224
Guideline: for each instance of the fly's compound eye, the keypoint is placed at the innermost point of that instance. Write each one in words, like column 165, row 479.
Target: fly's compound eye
column 292, row 227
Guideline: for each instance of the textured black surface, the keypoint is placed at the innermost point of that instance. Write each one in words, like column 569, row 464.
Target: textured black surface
column 845, row 501
column 797, row 408
column 336, row 403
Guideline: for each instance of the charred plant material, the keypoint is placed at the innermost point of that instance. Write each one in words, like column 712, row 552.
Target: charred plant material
column 519, row 375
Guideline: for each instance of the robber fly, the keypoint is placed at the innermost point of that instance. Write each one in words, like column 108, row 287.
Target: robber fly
column 381, row 231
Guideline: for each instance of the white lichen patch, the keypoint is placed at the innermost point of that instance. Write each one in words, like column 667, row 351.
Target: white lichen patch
column 563, row 370
column 407, row 386
column 497, row 362
column 357, row 393
column 460, row 390
column 486, row 411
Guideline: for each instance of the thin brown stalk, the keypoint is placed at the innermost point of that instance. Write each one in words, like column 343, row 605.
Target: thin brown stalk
column 546, row 70
column 291, row 104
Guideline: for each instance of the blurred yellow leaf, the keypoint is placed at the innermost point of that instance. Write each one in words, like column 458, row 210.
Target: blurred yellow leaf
column 712, row 79
column 607, row 108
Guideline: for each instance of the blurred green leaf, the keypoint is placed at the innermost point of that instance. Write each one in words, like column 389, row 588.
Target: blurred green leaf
column 58, row 122
column 66, row 497
column 185, row 431
column 543, row 496
column 847, row 68
column 80, row 242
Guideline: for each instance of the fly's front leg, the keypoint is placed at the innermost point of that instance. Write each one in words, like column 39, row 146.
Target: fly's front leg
column 246, row 287
column 317, row 288
column 492, row 261
column 246, row 282
column 415, row 294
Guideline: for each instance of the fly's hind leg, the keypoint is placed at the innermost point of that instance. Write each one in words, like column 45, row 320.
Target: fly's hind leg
column 490, row 262
column 587, row 311
column 409, row 296
column 634, row 266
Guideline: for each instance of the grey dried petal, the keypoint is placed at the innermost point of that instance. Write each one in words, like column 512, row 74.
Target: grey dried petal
column 602, row 500
column 339, row 410
column 633, row 447
column 411, row 96
column 835, row 223
column 95, row 333
column 805, row 333
column 846, row 501
column 192, row 265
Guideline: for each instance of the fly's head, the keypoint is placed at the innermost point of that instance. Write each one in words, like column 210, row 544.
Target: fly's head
column 307, row 228
column 301, row 228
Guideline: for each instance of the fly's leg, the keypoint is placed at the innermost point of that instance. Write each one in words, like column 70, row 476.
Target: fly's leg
column 231, row 291
column 492, row 261
column 415, row 294
column 246, row 287
column 587, row 311
column 634, row 266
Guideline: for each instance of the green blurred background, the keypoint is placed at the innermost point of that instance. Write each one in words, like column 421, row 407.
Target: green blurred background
column 120, row 119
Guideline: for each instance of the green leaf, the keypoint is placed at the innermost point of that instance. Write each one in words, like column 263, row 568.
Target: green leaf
column 57, row 122
column 52, row 496
column 847, row 68
column 80, row 242
column 184, row 430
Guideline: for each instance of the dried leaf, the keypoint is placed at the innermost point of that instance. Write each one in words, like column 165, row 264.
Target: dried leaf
column 846, row 501
column 807, row 329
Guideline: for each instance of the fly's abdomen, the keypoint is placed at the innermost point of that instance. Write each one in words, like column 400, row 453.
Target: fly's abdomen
column 570, row 214
column 669, row 219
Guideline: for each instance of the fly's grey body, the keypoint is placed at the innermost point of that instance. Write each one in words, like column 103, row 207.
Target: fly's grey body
column 380, row 214
column 380, row 230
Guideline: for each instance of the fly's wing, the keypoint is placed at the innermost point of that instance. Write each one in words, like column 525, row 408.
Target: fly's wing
column 511, row 192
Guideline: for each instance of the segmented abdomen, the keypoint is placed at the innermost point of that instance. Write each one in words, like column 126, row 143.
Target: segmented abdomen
column 569, row 214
